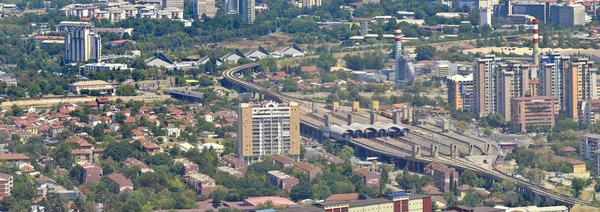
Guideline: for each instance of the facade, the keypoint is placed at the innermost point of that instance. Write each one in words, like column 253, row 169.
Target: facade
column 460, row 92
column 267, row 129
column 282, row 180
column 534, row 87
column 484, row 85
column 310, row 170
column 102, row 67
column 537, row 111
column 201, row 183
column 6, row 184
column 590, row 111
column 485, row 17
column 442, row 176
column 91, row 173
column 204, row 7
column 246, row 9
column 567, row 15
column 306, row 3
column 550, row 75
column 512, row 81
column 173, row 4
column 82, row 43
column 537, row 10
column 94, row 85
column 579, row 83
column 124, row 184
column 588, row 144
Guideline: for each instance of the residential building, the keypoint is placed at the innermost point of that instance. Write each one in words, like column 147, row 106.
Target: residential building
column 442, row 176
column 6, row 184
column 201, row 183
column 310, row 170
column 534, row 88
column 246, row 9
column 94, row 85
column 173, row 132
column 512, row 81
column 15, row 159
column 230, row 171
column 305, row 3
column 267, row 129
column 189, row 166
column 173, row 4
column 474, row 4
column 588, row 143
column 485, row 17
column 535, row 111
column 124, row 184
column 206, row 7
column 371, row 179
column 82, row 43
column 91, row 173
column 327, row 158
column 282, row 180
column 484, row 82
column 102, row 67
column 576, row 165
column 590, row 111
column 550, row 75
column 460, row 92
column 579, row 84
column 233, row 162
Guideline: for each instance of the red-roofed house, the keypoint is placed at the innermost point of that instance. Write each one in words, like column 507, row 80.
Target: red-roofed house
column 124, row 184
column 149, row 147
column 308, row 169
column 91, row 173
column 14, row 158
column 371, row 179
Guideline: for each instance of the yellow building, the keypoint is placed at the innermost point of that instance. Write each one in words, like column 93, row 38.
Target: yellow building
column 460, row 92
column 578, row 166
column 380, row 204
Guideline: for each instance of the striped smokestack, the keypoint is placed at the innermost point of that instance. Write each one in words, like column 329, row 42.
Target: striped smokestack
column 398, row 43
column 536, row 48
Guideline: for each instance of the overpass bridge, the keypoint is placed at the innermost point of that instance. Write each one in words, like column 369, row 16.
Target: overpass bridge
column 405, row 150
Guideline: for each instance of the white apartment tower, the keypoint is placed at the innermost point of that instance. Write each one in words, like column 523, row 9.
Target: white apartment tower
column 82, row 43
column 266, row 129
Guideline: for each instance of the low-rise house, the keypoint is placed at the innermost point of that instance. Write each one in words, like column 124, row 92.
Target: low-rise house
column 230, row 171
column 132, row 162
column 82, row 156
column 308, row 169
column 189, row 166
column 201, row 183
column 14, row 159
column 442, row 175
column 233, row 162
column 282, row 161
column 371, row 179
column 327, row 158
column 149, row 147
column 91, row 173
column 173, row 132
column 282, row 180
column 124, row 184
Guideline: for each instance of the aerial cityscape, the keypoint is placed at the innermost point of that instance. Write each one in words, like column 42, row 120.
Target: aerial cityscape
column 300, row 105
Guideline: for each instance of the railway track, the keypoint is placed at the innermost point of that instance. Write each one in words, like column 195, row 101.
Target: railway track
column 229, row 74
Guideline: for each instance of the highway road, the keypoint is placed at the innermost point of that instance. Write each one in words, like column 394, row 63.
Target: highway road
column 390, row 148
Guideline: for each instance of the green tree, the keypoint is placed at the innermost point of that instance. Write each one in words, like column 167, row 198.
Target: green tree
column 218, row 194
column 62, row 154
column 321, row 191
column 470, row 178
column 289, row 85
column 425, row 52
column 126, row 90
column 578, row 184
column 301, row 191
column 346, row 153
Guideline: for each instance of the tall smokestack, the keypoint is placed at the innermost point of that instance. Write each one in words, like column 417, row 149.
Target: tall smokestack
column 398, row 44
column 536, row 47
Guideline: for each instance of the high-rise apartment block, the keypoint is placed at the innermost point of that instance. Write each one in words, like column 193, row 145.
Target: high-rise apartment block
column 206, row 7
column 579, row 84
column 460, row 92
column 6, row 185
column 81, row 43
column 590, row 111
column 173, row 4
column 588, row 150
column 550, row 74
column 484, row 82
column 266, row 129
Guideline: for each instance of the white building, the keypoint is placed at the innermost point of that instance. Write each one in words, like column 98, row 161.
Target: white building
column 485, row 17
column 82, row 43
column 267, row 129
column 102, row 67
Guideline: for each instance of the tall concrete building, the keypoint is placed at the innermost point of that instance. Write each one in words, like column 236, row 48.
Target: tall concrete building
column 246, row 9
column 173, row 4
column 485, row 17
column 537, row 10
column 266, row 129
column 550, row 75
column 590, row 111
column 82, row 43
column 579, row 84
column 204, row 7
column 512, row 80
column 484, row 85
column 567, row 15
column 405, row 68
column 460, row 92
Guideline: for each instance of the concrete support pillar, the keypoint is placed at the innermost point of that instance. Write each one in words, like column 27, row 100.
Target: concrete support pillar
column 327, row 121
column 356, row 107
column 373, row 117
column 453, row 151
column 488, row 148
column 350, row 118
column 396, row 117
column 471, row 149
column 434, row 151
column 416, row 149
column 314, row 108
